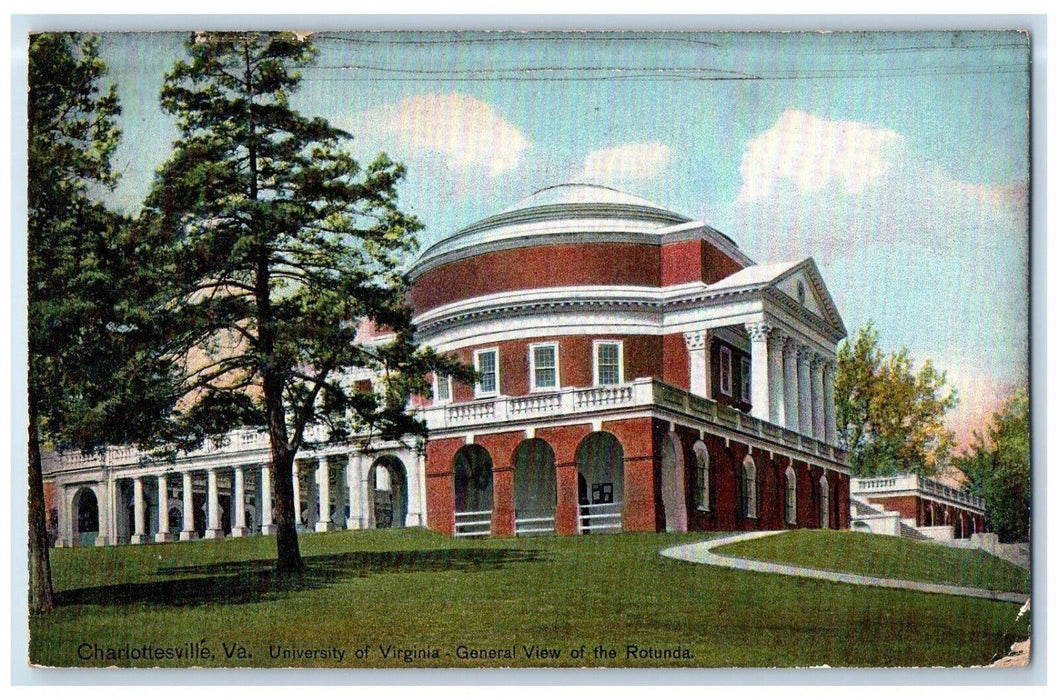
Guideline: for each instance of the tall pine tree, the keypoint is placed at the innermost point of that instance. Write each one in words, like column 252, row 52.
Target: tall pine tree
column 285, row 244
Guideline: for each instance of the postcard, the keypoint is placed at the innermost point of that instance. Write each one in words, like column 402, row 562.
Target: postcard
column 547, row 349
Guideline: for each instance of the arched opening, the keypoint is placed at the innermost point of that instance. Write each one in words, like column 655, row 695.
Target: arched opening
column 600, row 462
column 472, row 472
column 387, row 491
column 824, row 502
column 86, row 517
column 749, row 488
column 791, row 496
column 176, row 519
column 702, row 492
column 672, row 480
column 860, row 526
column 535, row 494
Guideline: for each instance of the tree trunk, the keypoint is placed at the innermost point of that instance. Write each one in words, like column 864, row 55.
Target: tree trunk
column 41, row 597
column 288, row 553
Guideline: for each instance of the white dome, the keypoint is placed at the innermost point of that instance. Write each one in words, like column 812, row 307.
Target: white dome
column 572, row 211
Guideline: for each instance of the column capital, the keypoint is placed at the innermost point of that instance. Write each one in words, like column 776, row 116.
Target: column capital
column 818, row 361
column 805, row 353
column 698, row 340
column 758, row 331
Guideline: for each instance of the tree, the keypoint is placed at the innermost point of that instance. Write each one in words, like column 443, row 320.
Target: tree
column 89, row 379
column 72, row 135
column 282, row 245
column 998, row 469
column 889, row 418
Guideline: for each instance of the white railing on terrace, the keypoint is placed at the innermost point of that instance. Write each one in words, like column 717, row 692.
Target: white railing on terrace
column 640, row 393
column 915, row 483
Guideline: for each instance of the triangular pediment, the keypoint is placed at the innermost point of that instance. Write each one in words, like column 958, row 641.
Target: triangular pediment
column 804, row 286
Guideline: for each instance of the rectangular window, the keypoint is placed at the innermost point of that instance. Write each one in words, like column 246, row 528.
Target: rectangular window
column 442, row 392
column 543, row 366
column 725, row 370
column 608, row 359
column 747, row 388
column 486, row 362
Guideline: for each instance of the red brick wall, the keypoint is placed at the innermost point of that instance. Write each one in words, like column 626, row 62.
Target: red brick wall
column 642, row 358
column 537, row 267
column 440, row 486
column 716, row 265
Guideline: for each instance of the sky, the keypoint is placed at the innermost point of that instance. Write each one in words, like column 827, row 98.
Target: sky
column 899, row 161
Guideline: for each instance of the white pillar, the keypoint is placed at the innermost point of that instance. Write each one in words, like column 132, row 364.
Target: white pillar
column 758, row 368
column 187, row 532
column 267, row 525
column 804, row 391
column 776, row 382
column 352, row 483
column 297, row 495
column 323, row 477
column 163, row 510
column 828, row 404
column 818, row 420
column 138, row 534
column 698, row 343
column 213, row 529
column 791, row 388
column 367, row 516
column 238, row 528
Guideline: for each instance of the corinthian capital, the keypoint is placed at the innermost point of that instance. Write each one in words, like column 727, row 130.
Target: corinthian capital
column 696, row 340
column 758, row 331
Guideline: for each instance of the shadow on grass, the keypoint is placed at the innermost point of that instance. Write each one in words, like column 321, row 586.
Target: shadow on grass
column 228, row 583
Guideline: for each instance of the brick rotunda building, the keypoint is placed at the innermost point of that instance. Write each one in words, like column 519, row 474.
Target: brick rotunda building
column 638, row 372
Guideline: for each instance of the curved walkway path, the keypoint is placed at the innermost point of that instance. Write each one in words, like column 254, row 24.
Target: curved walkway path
column 701, row 553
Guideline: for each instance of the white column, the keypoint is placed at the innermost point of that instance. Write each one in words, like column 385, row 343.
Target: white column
column 187, row 532
column 163, row 510
column 352, row 483
column 698, row 343
column 777, row 385
column 341, row 493
column 818, row 419
column 791, row 388
column 804, row 391
column 758, row 369
column 238, row 528
column 267, row 526
column 323, row 477
column 828, row 404
column 367, row 517
column 297, row 495
column 138, row 534
column 213, row 529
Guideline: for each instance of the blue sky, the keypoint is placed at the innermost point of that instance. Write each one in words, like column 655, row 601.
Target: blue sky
column 899, row 161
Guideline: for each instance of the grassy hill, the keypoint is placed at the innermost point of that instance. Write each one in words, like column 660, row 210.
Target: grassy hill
column 434, row 595
column 887, row 557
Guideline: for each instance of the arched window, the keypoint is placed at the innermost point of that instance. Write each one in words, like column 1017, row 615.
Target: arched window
column 791, row 496
column 824, row 502
column 701, row 476
column 749, row 488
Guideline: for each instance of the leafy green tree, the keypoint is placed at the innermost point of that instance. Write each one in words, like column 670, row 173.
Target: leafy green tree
column 890, row 418
column 88, row 320
column 999, row 469
column 283, row 245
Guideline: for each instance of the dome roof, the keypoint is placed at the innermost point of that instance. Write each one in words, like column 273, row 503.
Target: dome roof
column 580, row 193
column 565, row 211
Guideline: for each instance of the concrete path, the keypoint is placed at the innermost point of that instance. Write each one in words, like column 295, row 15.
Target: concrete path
column 701, row 553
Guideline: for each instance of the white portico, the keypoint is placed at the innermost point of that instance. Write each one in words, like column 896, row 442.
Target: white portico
column 782, row 316
column 126, row 496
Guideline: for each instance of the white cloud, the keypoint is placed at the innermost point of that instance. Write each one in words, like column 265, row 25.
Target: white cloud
column 812, row 154
column 465, row 131
column 628, row 162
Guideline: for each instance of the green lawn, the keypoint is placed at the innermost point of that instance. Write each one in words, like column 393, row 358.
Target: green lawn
column 887, row 557
column 418, row 590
